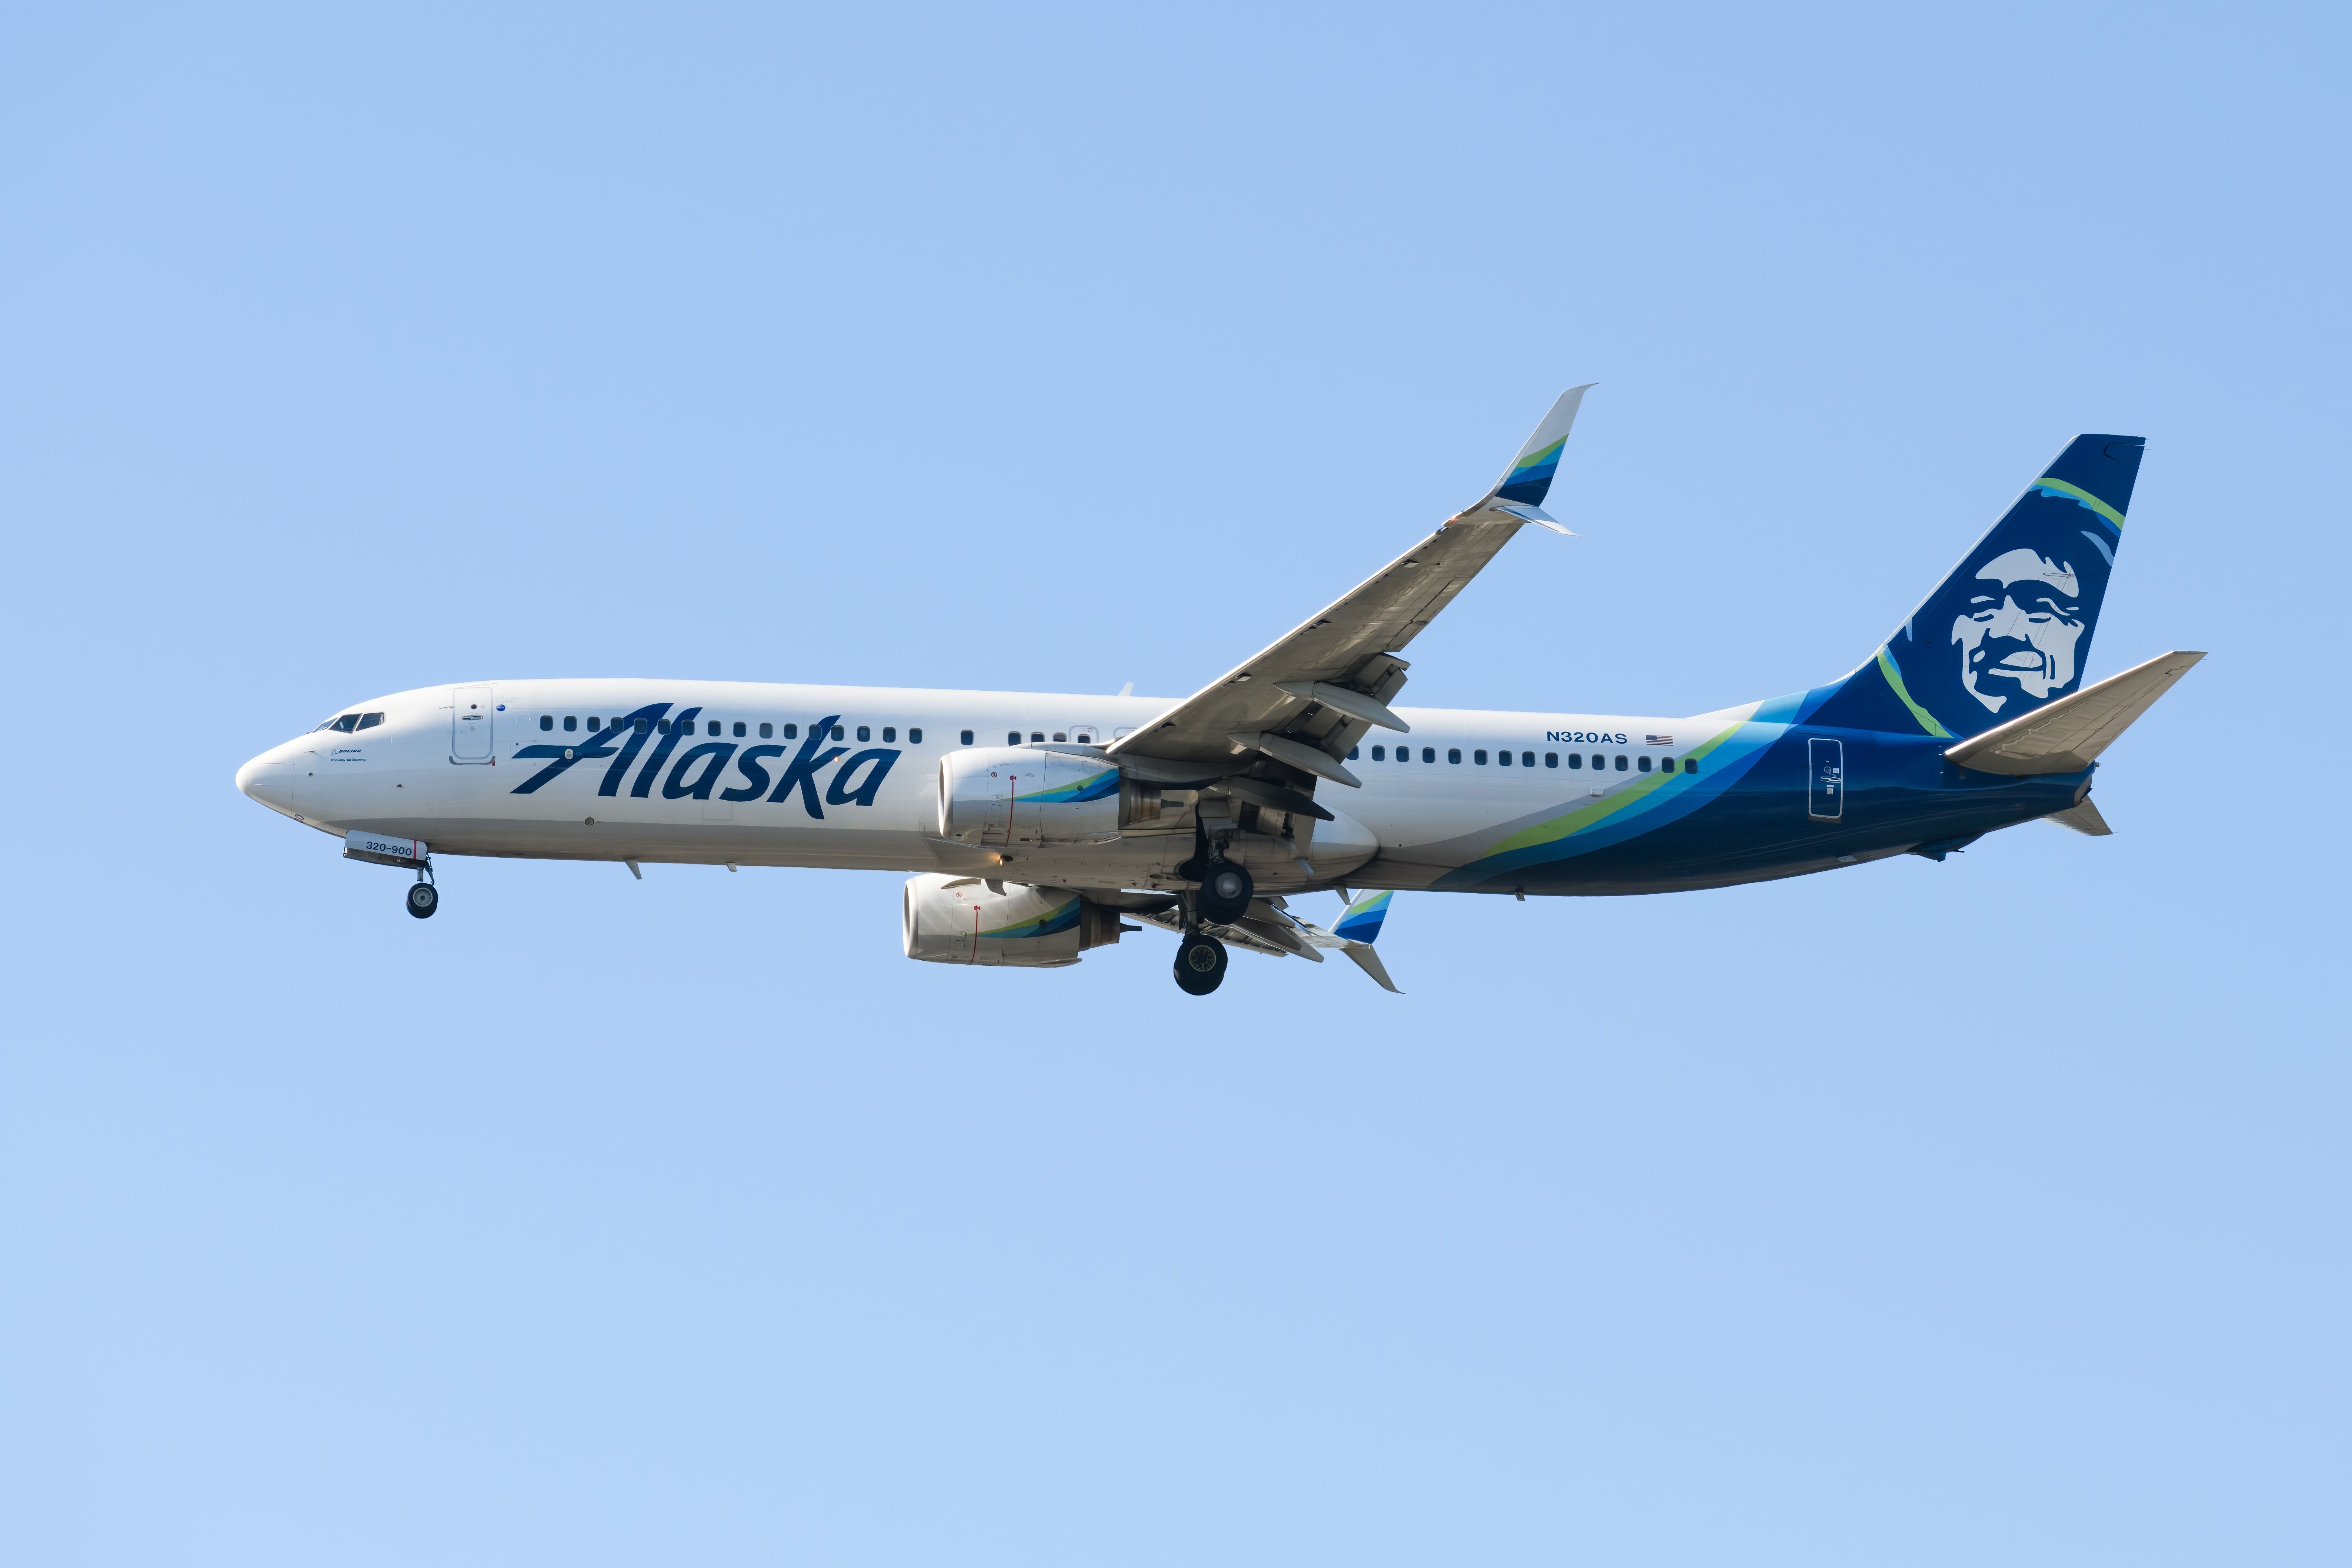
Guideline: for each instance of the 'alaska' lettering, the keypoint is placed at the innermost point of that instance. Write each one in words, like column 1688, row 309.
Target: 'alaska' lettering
column 678, row 787
column 755, row 776
column 839, row 793
column 801, row 773
column 662, row 749
column 596, row 745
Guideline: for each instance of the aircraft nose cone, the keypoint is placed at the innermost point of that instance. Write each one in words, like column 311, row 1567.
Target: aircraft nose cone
column 268, row 781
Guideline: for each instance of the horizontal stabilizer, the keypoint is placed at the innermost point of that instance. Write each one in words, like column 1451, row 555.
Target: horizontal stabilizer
column 2083, row 818
column 2067, row 736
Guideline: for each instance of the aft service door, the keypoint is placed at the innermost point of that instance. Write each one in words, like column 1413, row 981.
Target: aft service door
column 1825, row 792
column 470, row 725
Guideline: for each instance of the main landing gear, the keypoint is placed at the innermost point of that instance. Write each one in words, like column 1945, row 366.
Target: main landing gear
column 1200, row 965
column 424, row 897
column 1226, row 892
column 1224, row 895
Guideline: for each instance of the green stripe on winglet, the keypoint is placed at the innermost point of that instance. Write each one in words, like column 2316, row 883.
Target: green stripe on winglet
column 2080, row 494
column 1895, row 681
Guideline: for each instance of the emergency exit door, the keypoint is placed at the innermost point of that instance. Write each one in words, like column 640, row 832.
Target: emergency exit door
column 470, row 740
column 1825, row 766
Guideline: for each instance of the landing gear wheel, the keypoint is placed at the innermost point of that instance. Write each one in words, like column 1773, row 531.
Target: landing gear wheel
column 422, row 900
column 1226, row 892
column 1200, row 965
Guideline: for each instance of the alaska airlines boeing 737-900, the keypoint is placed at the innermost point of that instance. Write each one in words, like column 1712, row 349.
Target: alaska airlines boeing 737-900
column 1037, row 824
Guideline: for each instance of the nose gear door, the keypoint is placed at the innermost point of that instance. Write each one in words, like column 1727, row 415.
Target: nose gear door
column 470, row 725
column 1825, row 775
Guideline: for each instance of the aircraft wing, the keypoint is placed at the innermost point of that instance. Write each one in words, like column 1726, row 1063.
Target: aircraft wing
column 1309, row 698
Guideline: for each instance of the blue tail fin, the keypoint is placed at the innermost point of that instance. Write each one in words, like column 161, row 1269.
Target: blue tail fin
column 2011, row 628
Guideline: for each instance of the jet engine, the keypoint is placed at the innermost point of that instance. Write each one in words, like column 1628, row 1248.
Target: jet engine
column 964, row 919
column 999, row 795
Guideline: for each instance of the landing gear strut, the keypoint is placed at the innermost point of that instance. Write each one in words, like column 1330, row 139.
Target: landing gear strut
column 424, row 897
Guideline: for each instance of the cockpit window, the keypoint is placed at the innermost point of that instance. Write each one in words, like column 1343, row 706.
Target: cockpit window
column 345, row 724
column 370, row 721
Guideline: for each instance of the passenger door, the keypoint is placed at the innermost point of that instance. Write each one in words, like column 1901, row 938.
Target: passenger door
column 1825, row 775
column 471, row 728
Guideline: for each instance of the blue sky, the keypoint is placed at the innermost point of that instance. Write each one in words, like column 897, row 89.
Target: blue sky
column 1938, row 1214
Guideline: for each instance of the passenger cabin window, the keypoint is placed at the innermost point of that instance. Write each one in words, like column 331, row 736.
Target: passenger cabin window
column 547, row 720
column 1452, row 753
column 1059, row 736
column 1505, row 758
column 864, row 733
column 1380, row 753
column 767, row 731
column 889, row 734
column 1690, row 764
column 740, row 728
column 1085, row 738
column 714, row 728
column 1620, row 762
column 572, row 720
column 1576, row 759
column 1011, row 737
column 1036, row 734
column 1428, row 753
column 640, row 726
column 596, row 723
column 967, row 737
column 836, row 731
column 370, row 721
column 1551, row 758
column 1479, row 757
column 914, row 736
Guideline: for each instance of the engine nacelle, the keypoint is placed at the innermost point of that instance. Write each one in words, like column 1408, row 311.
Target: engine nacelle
column 1003, row 795
column 960, row 919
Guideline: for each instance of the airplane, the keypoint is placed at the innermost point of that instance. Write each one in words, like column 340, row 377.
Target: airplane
column 1038, row 825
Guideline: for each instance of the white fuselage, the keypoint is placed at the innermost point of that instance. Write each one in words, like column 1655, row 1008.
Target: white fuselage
column 445, row 765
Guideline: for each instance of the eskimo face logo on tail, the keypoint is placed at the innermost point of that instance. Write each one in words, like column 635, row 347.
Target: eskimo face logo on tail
column 2012, row 629
column 2017, row 634
column 699, row 770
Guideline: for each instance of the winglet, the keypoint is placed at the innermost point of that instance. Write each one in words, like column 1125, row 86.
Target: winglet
column 1518, row 495
column 1358, row 926
column 1362, row 919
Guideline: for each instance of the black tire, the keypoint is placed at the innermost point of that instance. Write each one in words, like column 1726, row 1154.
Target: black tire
column 1200, row 965
column 422, row 900
column 1226, row 892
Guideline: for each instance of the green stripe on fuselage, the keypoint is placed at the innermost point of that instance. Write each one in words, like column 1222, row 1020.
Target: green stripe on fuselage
column 1599, row 811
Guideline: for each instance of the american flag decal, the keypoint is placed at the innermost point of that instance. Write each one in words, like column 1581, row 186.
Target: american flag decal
column 1660, row 740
